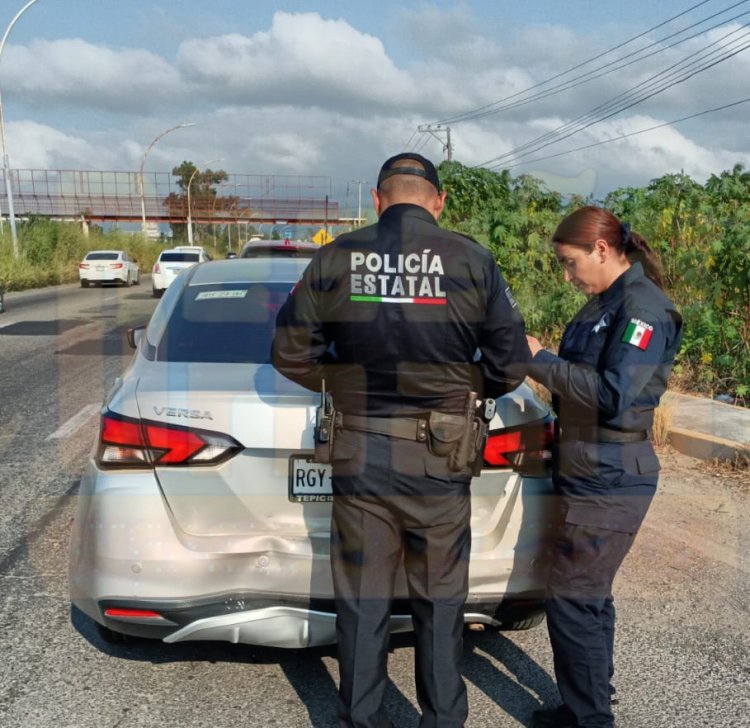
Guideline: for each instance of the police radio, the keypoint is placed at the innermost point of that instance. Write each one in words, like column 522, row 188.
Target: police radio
column 325, row 417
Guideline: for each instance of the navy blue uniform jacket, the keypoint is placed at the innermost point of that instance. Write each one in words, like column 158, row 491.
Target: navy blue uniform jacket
column 402, row 317
column 615, row 357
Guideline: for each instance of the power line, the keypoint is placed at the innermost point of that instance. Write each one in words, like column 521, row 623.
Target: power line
column 612, row 66
column 630, row 134
column 464, row 116
column 413, row 134
column 632, row 97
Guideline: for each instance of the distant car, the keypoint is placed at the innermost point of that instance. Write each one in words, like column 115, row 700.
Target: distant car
column 282, row 248
column 108, row 266
column 201, row 515
column 231, row 255
column 171, row 263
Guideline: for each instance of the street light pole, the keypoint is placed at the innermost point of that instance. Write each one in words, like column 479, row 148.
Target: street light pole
column 360, row 182
column 140, row 175
column 6, row 162
column 189, row 211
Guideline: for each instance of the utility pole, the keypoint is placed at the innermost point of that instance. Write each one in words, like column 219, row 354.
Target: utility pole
column 437, row 130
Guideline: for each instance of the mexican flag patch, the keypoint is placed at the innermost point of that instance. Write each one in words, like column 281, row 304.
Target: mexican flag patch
column 638, row 333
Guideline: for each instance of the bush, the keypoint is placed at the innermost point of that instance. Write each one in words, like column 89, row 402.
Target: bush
column 50, row 251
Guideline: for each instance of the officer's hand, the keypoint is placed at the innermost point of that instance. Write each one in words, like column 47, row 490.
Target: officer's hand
column 534, row 344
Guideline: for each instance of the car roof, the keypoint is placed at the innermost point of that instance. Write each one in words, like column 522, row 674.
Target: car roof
column 248, row 270
column 119, row 252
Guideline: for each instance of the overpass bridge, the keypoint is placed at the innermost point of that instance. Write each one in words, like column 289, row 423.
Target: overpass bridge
column 114, row 197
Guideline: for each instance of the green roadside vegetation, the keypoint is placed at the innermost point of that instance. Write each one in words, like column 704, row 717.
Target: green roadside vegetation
column 701, row 232
column 50, row 251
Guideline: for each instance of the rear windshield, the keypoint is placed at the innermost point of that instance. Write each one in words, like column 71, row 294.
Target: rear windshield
column 223, row 324
column 263, row 251
column 179, row 257
column 102, row 256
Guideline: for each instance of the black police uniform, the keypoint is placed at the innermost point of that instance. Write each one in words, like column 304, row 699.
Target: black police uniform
column 395, row 316
column 614, row 361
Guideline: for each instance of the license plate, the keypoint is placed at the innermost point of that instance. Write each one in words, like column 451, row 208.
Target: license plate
column 309, row 482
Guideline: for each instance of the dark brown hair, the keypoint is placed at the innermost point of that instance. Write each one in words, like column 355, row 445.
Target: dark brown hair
column 588, row 224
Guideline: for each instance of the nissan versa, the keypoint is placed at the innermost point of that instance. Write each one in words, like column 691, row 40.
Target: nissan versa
column 201, row 515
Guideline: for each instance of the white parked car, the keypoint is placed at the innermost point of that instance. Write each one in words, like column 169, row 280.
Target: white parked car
column 201, row 515
column 108, row 266
column 171, row 263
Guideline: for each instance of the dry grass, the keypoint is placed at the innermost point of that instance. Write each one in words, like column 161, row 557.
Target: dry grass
column 737, row 469
column 662, row 422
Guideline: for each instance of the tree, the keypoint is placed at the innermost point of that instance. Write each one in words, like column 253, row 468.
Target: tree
column 204, row 199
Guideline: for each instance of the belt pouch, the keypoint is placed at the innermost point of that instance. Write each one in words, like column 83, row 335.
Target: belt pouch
column 444, row 432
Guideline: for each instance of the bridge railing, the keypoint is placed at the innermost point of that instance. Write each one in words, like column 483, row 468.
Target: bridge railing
column 116, row 196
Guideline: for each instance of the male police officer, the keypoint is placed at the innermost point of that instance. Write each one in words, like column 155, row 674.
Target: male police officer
column 402, row 320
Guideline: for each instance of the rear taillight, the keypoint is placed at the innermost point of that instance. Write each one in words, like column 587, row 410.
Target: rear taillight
column 83, row 265
column 128, row 442
column 117, row 265
column 123, row 613
column 526, row 449
column 156, row 268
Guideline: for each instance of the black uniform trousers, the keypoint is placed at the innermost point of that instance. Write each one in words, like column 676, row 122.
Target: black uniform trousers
column 604, row 491
column 395, row 504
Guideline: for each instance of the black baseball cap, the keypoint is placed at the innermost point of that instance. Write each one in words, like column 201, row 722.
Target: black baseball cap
column 429, row 172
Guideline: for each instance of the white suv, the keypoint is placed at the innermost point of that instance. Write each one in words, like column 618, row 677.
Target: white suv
column 171, row 263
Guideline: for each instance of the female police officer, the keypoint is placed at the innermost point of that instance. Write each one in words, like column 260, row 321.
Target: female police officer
column 613, row 363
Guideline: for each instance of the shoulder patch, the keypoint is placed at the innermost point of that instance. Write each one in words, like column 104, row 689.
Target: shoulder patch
column 512, row 301
column 638, row 333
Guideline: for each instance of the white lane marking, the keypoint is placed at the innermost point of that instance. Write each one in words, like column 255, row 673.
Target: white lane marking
column 74, row 423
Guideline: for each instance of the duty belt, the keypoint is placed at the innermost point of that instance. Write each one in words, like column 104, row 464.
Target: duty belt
column 406, row 428
column 602, row 434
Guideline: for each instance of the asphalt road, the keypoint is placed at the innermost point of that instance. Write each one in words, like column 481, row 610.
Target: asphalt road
column 683, row 649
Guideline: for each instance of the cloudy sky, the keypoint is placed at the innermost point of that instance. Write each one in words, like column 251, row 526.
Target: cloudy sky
column 332, row 88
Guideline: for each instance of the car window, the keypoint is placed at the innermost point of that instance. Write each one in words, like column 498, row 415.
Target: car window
column 178, row 257
column 102, row 256
column 223, row 324
column 271, row 251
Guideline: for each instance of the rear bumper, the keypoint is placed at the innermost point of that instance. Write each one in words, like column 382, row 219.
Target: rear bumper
column 103, row 277
column 270, row 589
column 162, row 281
column 294, row 624
column 273, row 627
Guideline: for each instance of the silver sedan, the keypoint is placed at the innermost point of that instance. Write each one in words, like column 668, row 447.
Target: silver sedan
column 201, row 515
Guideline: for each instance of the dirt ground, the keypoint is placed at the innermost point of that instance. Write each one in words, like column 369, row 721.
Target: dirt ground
column 695, row 543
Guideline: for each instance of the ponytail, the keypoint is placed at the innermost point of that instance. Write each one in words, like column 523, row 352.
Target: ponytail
column 637, row 250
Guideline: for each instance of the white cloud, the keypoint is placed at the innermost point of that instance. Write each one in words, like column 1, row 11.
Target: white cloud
column 301, row 58
column 71, row 72
column 310, row 95
column 38, row 146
